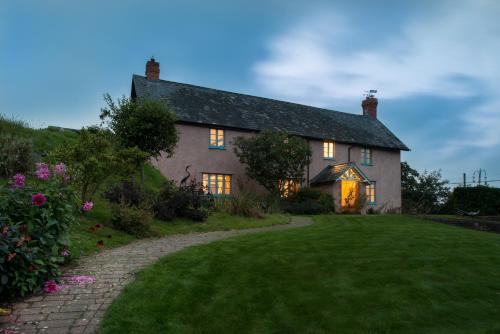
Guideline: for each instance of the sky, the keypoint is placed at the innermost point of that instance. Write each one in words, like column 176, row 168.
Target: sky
column 435, row 64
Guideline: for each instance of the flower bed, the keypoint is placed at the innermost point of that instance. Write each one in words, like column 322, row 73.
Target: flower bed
column 35, row 215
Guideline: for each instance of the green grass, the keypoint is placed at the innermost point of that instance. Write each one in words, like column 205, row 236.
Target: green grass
column 84, row 241
column 44, row 140
column 345, row 274
column 216, row 222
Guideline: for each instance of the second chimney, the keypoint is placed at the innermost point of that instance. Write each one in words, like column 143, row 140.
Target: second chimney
column 369, row 106
column 152, row 70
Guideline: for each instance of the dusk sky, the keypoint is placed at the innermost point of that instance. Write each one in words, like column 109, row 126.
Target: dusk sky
column 435, row 64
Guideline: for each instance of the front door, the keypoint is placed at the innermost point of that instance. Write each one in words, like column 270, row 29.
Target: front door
column 349, row 193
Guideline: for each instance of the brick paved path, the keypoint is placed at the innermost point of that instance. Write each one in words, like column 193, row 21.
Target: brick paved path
column 78, row 309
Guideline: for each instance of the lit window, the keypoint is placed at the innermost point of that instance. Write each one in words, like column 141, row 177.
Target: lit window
column 329, row 150
column 216, row 139
column 370, row 193
column 366, row 156
column 290, row 187
column 217, row 184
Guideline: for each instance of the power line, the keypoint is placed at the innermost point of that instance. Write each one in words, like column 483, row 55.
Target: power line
column 472, row 182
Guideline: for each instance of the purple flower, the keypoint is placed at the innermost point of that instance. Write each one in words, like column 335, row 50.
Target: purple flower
column 87, row 206
column 38, row 199
column 60, row 168
column 18, row 181
column 65, row 253
column 42, row 171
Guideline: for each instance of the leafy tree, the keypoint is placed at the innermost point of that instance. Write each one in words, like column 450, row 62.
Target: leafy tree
column 146, row 124
column 422, row 193
column 95, row 157
column 272, row 158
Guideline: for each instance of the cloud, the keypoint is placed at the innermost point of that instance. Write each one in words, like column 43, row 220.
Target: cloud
column 452, row 52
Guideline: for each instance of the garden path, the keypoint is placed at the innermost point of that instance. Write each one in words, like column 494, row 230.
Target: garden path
column 79, row 309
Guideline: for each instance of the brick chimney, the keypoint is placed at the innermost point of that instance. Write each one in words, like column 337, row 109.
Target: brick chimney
column 152, row 70
column 369, row 106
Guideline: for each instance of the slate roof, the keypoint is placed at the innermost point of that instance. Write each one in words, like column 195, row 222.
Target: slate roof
column 200, row 105
column 332, row 173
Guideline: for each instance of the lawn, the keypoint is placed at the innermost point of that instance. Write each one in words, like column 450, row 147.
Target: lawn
column 345, row 274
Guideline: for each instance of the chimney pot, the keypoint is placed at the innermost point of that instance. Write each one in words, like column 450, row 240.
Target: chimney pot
column 369, row 106
column 152, row 70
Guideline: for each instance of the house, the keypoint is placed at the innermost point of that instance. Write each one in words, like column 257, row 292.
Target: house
column 353, row 156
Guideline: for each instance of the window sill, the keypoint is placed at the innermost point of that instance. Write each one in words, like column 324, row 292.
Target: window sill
column 329, row 159
column 217, row 147
column 372, row 203
column 367, row 165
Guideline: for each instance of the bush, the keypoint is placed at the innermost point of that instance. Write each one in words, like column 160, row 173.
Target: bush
column 132, row 220
column 245, row 204
column 309, row 201
column 34, row 223
column 16, row 155
column 484, row 199
column 186, row 201
column 128, row 193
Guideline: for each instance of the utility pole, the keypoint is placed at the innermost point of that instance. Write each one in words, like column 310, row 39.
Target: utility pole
column 465, row 180
column 480, row 171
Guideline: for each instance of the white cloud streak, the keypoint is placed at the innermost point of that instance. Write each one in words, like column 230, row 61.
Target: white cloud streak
column 451, row 53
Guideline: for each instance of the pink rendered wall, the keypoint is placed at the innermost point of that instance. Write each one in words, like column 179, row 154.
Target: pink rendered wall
column 192, row 149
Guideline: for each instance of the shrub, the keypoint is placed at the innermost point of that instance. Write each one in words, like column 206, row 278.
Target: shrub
column 308, row 207
column 309, row 201
column 484, row 199
column 95, row 157
column 186, row 201
column 132, row 220
column 244, row 203
column 128, row 193
column 34, row 223
column 16, row 155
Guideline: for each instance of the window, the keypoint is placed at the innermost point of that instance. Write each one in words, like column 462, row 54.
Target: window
column 329, row 150
column 370, row 193
column 216, row 139
column 217, row 184
column 290, row 187
column 366, row 156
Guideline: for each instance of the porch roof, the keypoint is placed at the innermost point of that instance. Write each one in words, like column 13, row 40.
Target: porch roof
column 333, row 173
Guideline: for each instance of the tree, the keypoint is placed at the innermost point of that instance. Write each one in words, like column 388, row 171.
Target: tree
column 274, row 158
column 422, row 193
column 95, row 157
column 146, row 124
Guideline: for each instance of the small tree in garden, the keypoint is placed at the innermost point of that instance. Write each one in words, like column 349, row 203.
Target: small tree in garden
column 273, row 158
column 145, row 124
column 94, row 158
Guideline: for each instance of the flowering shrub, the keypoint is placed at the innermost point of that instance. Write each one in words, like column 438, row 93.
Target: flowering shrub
column 34, row 219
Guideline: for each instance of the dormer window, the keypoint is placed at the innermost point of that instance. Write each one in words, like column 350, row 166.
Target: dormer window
column 329, row 150
column 216, row 139
column 366, row 156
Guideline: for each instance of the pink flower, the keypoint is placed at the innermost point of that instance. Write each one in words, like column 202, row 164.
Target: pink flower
column 87, row 206
column 81, row 280
column 38, row 199
column 60, row 168
column 65, row 253
column 18, row 181
column 66, row 178
column 42, row 171
column 51, row 286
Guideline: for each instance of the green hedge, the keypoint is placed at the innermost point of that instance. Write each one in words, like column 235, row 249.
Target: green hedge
column 484, row 199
